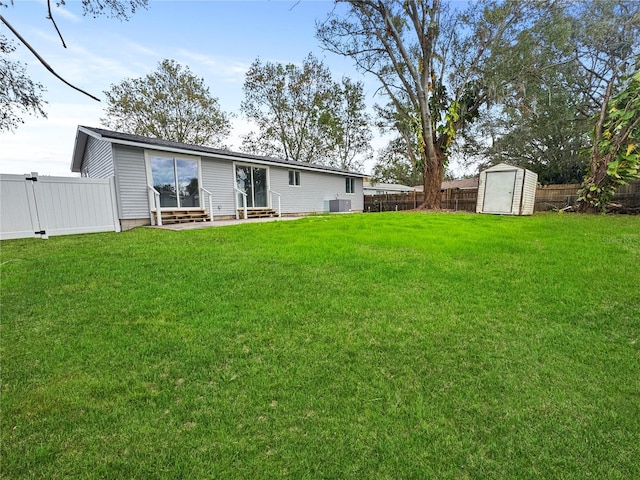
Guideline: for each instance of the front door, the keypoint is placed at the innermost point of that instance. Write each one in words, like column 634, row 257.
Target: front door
column 498, row 192
column 253, row 182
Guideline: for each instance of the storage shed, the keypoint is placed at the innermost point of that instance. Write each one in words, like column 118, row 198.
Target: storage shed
column 507, row 190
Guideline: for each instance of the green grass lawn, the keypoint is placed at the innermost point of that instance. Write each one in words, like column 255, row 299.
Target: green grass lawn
column 376, row 346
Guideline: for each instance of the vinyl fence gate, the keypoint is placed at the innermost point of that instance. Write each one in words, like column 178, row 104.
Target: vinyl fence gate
column 38, row 207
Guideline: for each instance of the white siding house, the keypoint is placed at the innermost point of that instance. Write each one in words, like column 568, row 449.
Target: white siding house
column 507, row 190
column 182, row 177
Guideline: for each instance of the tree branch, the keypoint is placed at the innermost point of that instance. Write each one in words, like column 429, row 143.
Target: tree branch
column 599, row 124
column 42, row 61
column 50, row 17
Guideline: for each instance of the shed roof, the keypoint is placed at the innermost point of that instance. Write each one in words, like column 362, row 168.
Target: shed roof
column 502, row 167
column 83, row 133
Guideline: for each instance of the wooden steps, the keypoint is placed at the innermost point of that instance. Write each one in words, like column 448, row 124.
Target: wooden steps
column 184, row 216
column 258, row 212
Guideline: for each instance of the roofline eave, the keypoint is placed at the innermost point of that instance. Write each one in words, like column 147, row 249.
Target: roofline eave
column 87, row 131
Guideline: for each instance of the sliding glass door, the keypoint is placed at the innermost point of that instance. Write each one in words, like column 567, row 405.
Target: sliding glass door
column 176, row 180
column 252, row 181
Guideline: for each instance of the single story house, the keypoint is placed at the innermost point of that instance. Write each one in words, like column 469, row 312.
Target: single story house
column 159, row 181
column 378, row 188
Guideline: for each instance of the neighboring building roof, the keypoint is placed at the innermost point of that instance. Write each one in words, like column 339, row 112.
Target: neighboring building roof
column 463, row 184
column 370, row 188
column 83, row 133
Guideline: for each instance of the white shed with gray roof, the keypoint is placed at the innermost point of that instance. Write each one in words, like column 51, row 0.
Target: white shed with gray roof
column 507, row 190
column 158, row 179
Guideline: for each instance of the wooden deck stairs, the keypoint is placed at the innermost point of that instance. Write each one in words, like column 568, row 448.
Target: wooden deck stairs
column 258, row 213
column 184, row 216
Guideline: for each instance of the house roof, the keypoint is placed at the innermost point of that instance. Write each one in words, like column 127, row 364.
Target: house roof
column 83, row 133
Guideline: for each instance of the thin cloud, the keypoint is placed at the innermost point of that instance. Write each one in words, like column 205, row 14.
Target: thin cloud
column 227, row 69
column 61, row 11
column 82, row 66
column 47, row 154
column 132, row 47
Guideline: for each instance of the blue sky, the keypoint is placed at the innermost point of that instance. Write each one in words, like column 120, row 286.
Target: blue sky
column 218, row 40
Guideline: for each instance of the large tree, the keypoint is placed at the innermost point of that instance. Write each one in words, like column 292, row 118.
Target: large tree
column 393, row 165
column 427, row 59
column 19, row 94
column 607, row 39
column 170, row 103
column 285, row 103
column 542, row 131
column 569, row 63
column 301, row 114
column 345, row 126
column 534, row 120
column 615, row 154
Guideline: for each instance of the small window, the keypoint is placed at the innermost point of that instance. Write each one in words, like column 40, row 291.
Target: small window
column 350, row 185
column 294, row 178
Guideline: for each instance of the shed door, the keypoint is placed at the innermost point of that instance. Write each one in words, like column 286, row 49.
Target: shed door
column 498, row 192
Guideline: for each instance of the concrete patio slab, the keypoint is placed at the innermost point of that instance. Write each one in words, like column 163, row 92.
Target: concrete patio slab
column 221, row 223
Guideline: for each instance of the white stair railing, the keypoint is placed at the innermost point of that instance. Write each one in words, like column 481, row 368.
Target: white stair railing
column 244, row 203
column 154, row 202
column 272, row 192
column 210, row 195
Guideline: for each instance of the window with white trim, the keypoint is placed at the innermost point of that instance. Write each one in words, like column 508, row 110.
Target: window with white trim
column 176, row 179
column 350, row 185
column 294, row 178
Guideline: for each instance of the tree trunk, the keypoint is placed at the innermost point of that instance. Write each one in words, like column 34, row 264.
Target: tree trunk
column 597, row 163
column 597, row 177
column 433, row 174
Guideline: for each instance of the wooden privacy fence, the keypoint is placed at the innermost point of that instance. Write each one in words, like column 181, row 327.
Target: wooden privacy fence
column 453, row 199
column 548, row 197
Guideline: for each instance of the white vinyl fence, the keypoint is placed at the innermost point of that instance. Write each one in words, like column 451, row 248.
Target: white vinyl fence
column 33, row 206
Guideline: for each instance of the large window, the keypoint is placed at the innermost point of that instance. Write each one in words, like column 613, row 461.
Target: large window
column 176, row 180
column 294, row 178
column 253, row 182
column 350, row 185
